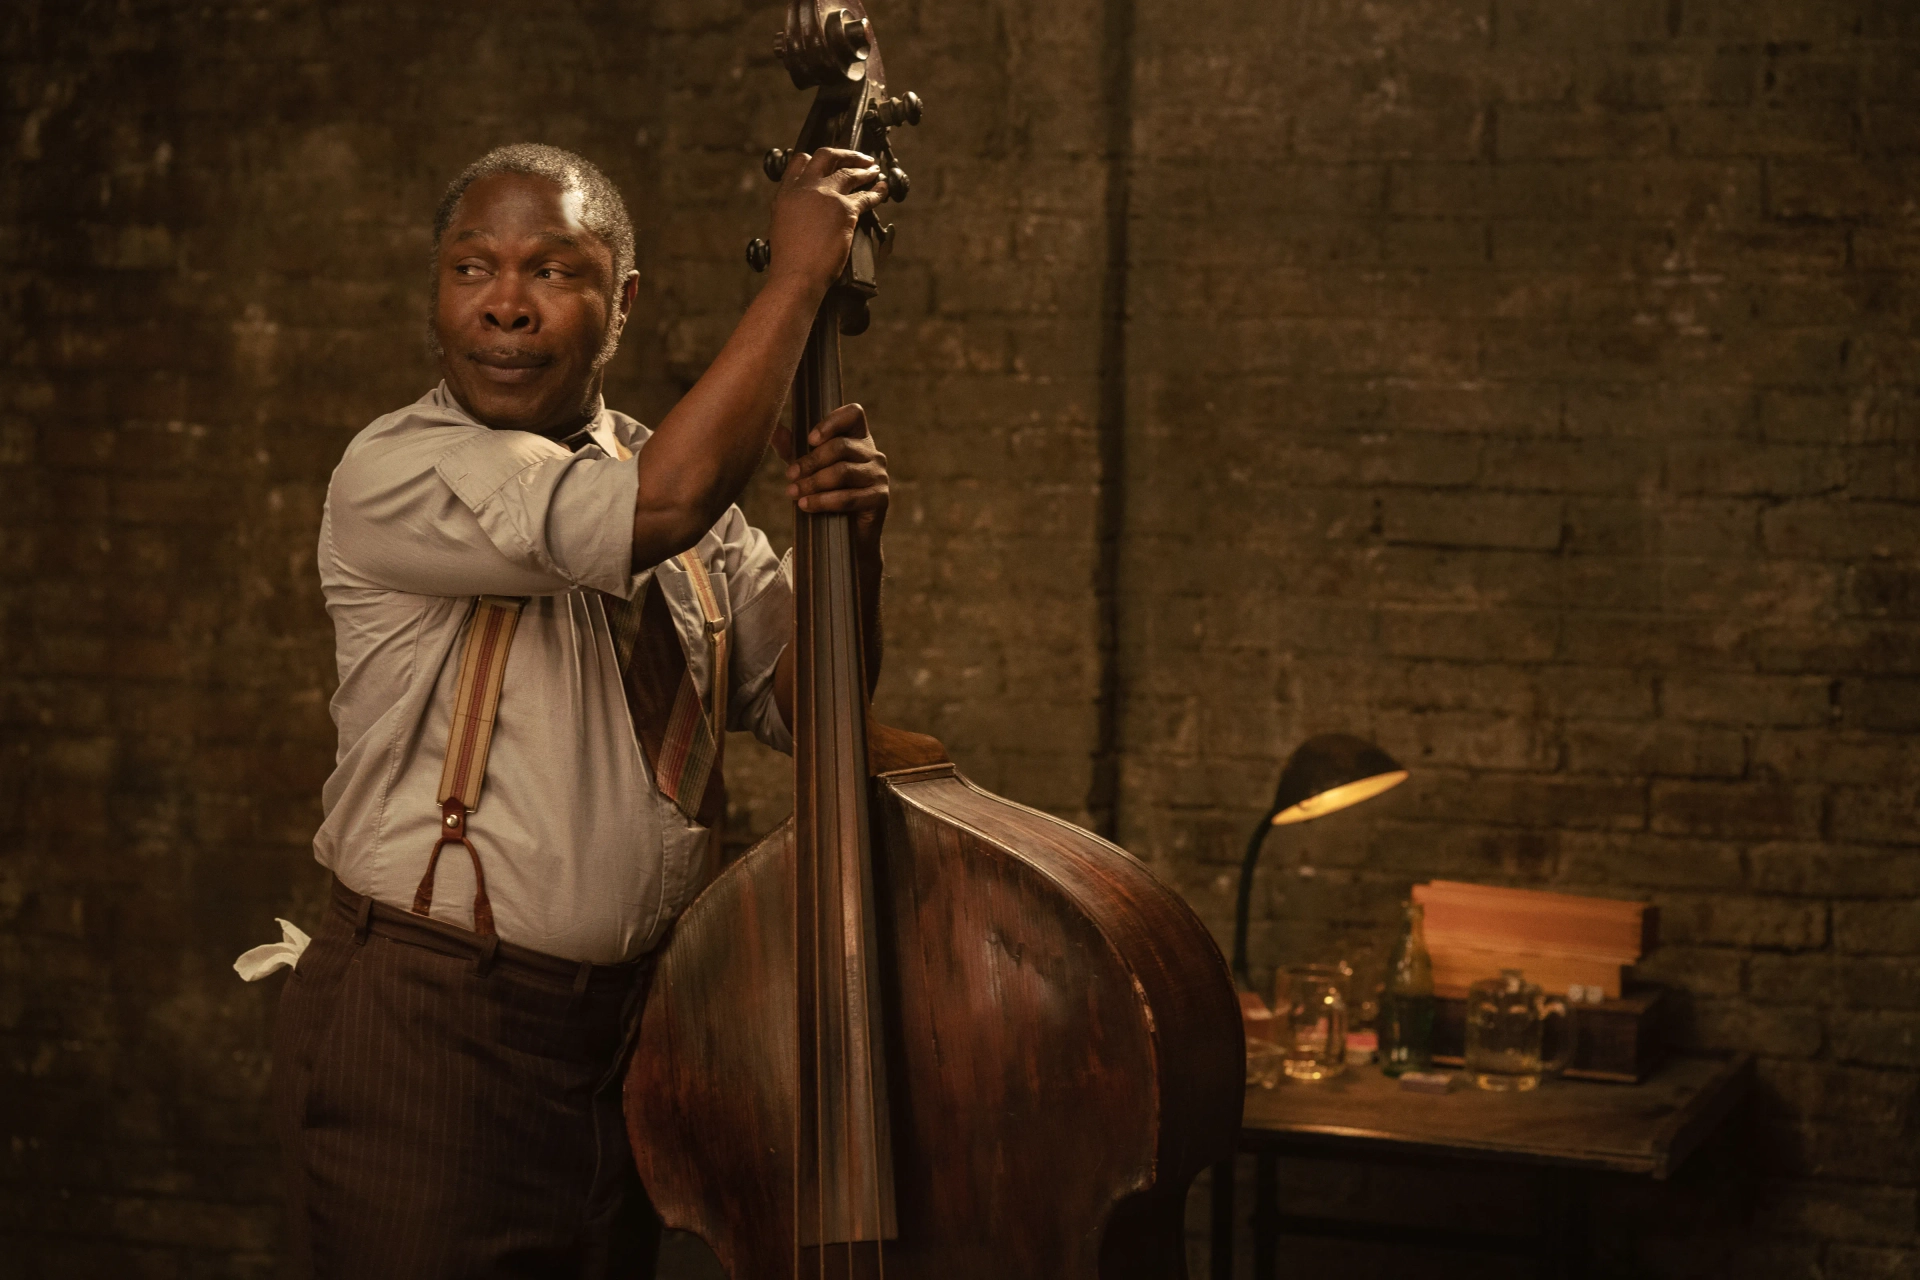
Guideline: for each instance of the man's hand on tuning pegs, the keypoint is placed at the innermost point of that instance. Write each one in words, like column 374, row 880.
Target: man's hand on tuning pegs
column 841, row 470
column 820, row 200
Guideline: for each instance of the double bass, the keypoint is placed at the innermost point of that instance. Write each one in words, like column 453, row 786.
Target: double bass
column 920, row 1031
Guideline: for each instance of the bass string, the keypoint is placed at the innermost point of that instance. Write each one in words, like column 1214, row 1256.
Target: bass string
column 813, row 387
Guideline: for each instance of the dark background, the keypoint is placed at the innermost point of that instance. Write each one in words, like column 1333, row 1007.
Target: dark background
column 1528, row 385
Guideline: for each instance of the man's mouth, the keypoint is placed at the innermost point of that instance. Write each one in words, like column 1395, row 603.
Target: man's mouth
column 509, row 366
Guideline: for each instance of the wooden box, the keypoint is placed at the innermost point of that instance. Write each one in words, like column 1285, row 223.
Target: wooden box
column 1622, row 1041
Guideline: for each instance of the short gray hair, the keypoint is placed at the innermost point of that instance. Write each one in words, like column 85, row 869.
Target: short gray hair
column 602, row 211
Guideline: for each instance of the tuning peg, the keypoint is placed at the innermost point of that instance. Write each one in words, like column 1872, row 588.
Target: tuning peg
column 898, row 184
column 849, row 39
column 885, row 236
column 905, row 109
column 774, row 163
column 759, row 253
column 855, row 317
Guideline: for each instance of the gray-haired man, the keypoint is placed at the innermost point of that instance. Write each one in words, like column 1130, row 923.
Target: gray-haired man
column 447, row 1054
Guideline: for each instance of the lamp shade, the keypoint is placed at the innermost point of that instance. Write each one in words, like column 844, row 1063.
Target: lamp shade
column 1324, row 774
column 1330, row 772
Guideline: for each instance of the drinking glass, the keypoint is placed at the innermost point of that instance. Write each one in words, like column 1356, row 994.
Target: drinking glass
column 1506, row 1031
column 1313, row 1030
column 1265, row 1062
column 1263, row 1051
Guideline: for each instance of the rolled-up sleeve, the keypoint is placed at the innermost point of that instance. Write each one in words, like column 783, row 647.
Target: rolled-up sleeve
column 456, row 510
column 761, row 586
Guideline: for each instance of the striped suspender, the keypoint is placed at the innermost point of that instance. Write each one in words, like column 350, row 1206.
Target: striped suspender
column 691, row 749
column 483, row 665
column 718, row 640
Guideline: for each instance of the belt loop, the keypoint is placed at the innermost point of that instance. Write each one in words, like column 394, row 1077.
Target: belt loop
column 362, row 919
column 580, row 981
column 489, row 948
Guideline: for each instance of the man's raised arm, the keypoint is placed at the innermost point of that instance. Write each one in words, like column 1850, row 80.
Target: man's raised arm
column 705, row 450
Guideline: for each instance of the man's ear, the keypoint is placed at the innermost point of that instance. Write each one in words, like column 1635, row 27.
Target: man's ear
column 629, row 290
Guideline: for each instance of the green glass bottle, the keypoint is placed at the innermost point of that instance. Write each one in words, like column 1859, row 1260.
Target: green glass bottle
column 1406, row 1006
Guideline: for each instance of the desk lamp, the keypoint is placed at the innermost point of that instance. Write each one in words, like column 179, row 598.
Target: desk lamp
column 1324, row 773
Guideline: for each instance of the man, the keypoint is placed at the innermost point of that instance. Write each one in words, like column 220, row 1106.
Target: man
column 448, row 1051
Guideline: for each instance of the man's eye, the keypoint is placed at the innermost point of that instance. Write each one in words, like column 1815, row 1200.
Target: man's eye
column 552, row 273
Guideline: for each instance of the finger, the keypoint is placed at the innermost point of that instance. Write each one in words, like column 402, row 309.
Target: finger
column 797, row 162
column 841, row 475
column 847, row 473
column 871, row 198
column 823, row 456
column 828, row 159
column 860, row 453
column 847, row 420
column 851, row 180
column 873, row 499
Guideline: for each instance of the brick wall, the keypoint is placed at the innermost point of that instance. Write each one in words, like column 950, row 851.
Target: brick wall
column 1527, row 386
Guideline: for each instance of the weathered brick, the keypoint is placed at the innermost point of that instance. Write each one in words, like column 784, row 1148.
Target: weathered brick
column 1702, row 971
column 1655, row 750
column 1455, row 851
column 1825, row 1091
column 1816, row 870
column 1830, row 1150
column 1756, row 810
column 1817, row 755
column 1533, row 800
column 1841, row 530
column 1719, row 1025
column 1891, row 927
column 1877, row 1039
column 1473, row 520
column 1729, row 920
column 1741, row 468
column 1468, row 634
column 1650, row 864
column 1885, row 815
column 1711, row 698
column 1872, row 982
column 1882, row 704
column 1838, row 188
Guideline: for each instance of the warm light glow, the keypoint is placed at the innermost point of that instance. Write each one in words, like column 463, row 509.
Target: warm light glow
column 1339, row 798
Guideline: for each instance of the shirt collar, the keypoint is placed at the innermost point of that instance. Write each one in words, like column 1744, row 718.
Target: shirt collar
column 600, row 429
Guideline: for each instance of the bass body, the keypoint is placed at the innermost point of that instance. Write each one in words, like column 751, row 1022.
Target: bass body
column 1062, row 1045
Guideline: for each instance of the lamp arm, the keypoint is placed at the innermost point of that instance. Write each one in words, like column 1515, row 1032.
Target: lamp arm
column 1243, row 903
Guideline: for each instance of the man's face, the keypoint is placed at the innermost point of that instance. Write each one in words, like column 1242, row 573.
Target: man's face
column 526, row 294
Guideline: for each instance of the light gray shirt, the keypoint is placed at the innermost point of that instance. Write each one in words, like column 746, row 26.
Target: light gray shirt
column 584, row 858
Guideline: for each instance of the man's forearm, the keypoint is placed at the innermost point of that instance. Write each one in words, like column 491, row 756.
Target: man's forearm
column 707, row 448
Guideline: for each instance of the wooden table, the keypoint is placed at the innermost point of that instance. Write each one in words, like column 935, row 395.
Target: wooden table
column 1571, row 1129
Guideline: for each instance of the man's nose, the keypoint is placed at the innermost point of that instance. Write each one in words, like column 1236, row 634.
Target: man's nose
column 509, row 310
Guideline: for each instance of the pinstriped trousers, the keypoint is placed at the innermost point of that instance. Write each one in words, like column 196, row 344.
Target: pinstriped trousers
column 442, row 1119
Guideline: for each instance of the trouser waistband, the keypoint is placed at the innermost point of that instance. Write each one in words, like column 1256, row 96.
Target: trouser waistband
column 366, row 916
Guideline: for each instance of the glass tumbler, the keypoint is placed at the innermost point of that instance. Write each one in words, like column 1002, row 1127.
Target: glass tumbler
column 1313, row 1031
column 1507, row 1021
